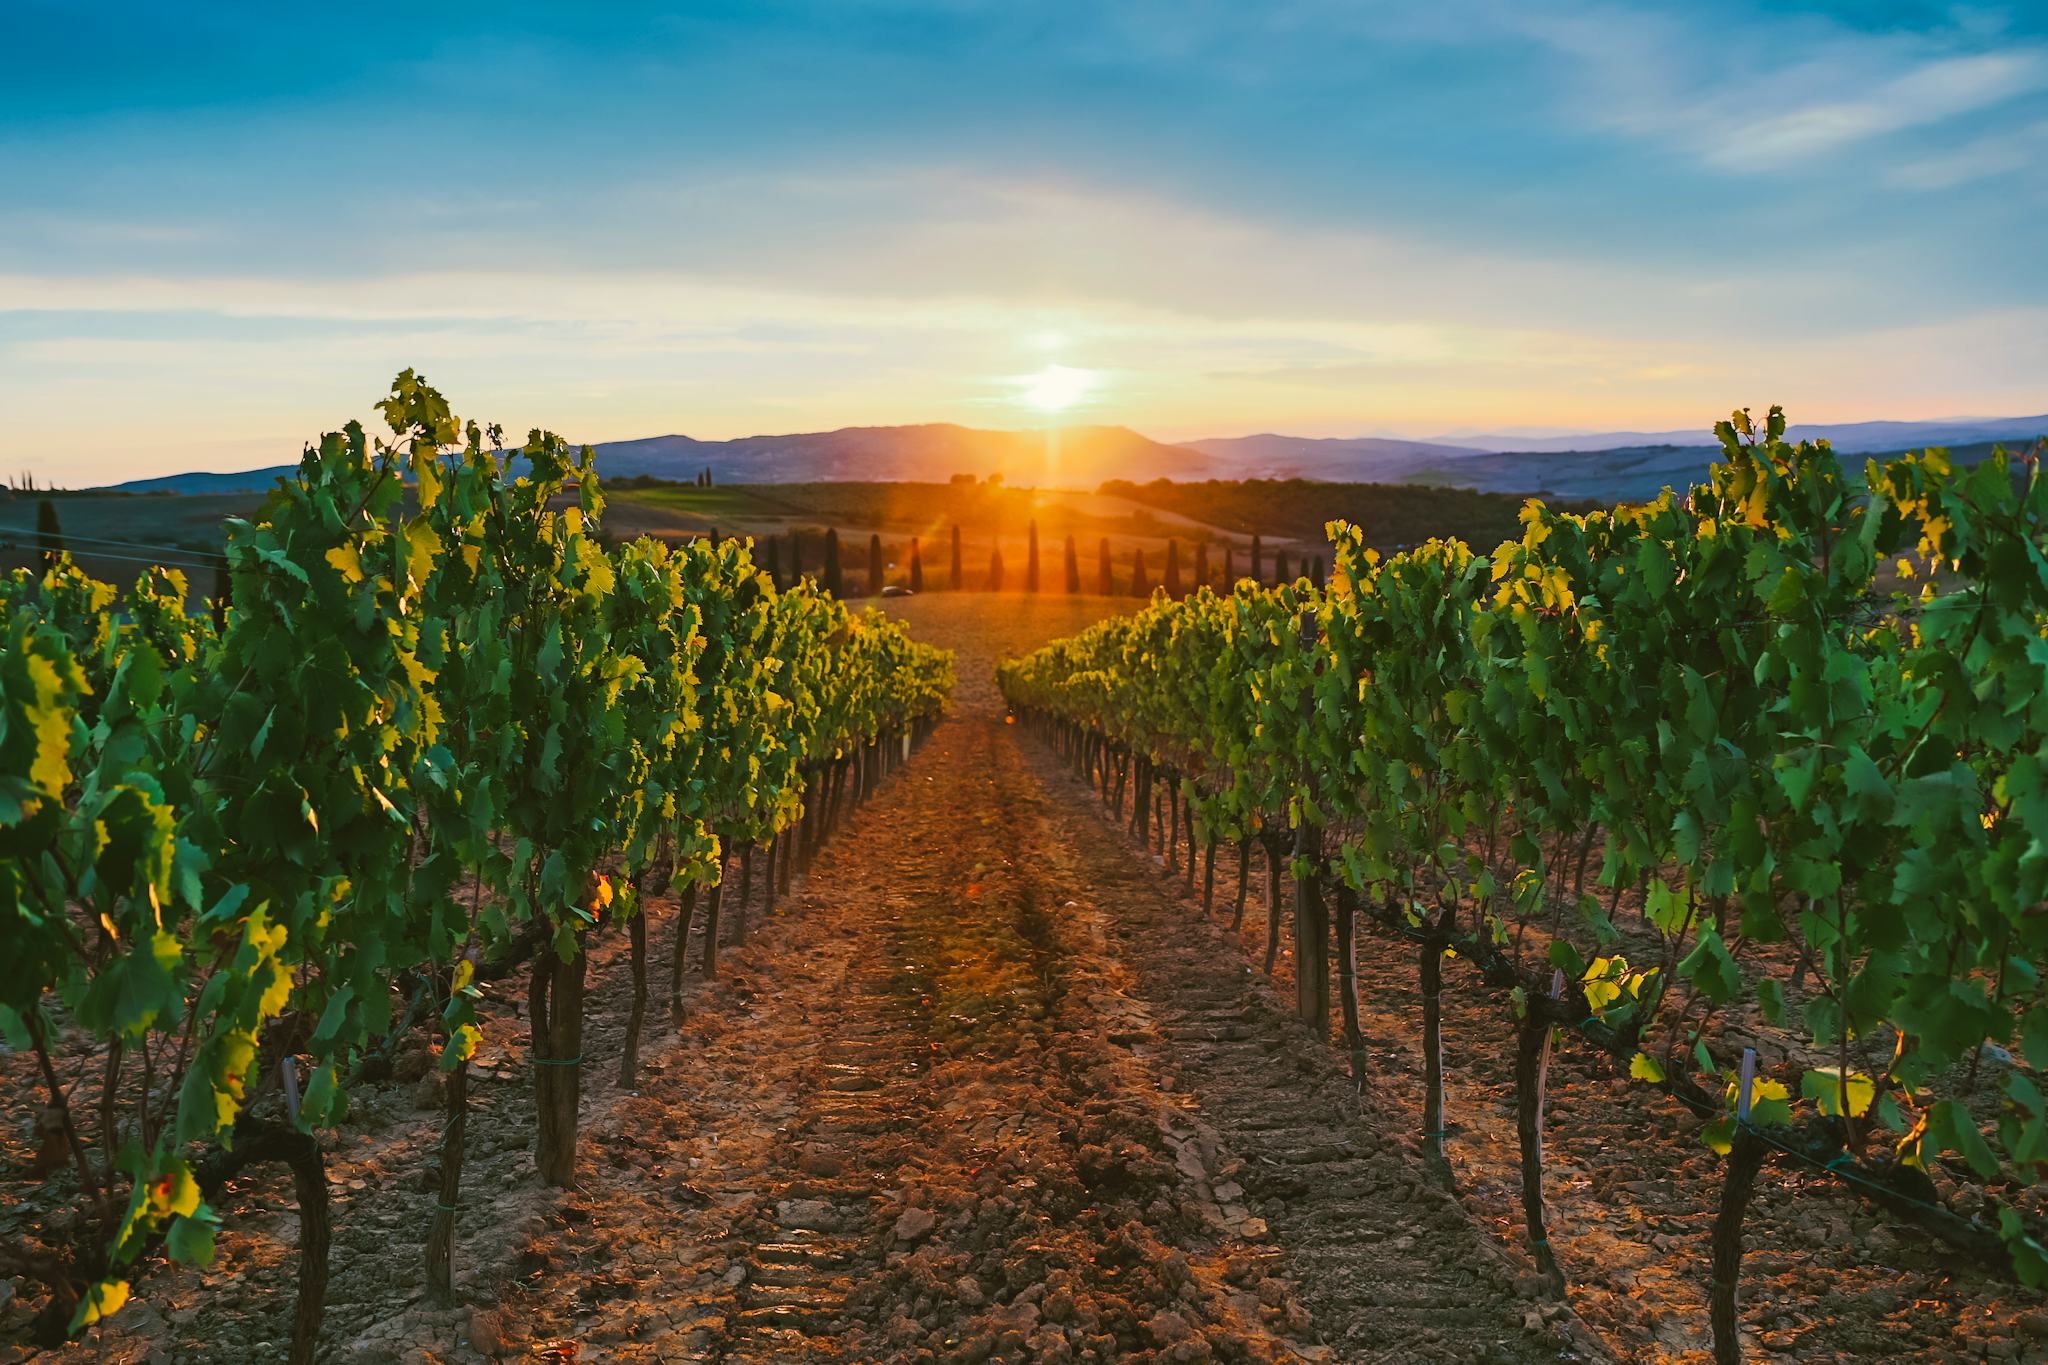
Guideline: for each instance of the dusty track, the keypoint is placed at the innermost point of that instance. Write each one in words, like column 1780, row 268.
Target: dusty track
column 987, row 1093
column 983, row 1089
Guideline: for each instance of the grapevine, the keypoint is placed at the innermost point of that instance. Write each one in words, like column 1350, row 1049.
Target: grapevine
column 1778, row 742
column 237, row 865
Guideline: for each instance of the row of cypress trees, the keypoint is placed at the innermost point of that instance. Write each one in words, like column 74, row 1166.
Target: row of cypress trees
column 1137, row 582
column 50, row 541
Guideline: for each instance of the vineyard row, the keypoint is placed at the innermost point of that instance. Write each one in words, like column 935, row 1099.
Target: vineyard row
column 442, row 731
column 1776, row 750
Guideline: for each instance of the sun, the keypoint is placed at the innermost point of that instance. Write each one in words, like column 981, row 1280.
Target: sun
column 1057, row 387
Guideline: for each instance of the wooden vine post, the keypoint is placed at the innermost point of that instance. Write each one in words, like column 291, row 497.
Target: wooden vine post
column 556, row 1000
column 1746, row 1154
column 1276, row 875
column 1347, row 979
column 1532, row 1070
column 1432, row 980
column 1244, row 872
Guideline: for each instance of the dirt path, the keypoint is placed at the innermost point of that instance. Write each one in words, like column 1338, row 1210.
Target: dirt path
column 987, row 1095
column 1389, row 1263
column 982, row 1089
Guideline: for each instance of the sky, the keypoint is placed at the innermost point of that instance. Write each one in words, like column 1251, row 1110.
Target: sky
column 226, row 227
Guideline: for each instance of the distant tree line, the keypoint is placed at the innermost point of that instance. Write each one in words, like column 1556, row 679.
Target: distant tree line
column 1392, row 516
column 1120, row 570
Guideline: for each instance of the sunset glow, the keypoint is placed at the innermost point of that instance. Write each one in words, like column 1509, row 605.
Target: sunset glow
column 1057, row 387
column 1546, row 214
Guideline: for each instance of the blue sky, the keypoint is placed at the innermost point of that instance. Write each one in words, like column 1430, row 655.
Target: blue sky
column 226, row 228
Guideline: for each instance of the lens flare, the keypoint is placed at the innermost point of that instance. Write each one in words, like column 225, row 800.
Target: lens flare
column 1057, row 387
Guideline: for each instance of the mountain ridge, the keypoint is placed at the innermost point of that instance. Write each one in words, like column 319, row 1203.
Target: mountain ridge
column 1611, row 465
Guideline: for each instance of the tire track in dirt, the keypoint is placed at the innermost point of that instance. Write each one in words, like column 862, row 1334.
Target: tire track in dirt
column 915, row 1122
column 1389, row 1265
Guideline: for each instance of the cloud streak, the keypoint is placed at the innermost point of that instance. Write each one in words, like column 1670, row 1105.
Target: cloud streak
column 1325, row 216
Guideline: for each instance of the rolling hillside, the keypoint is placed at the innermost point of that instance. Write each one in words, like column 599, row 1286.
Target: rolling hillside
column 1602, row 466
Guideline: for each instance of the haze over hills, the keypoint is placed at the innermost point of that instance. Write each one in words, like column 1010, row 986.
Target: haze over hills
column 1858, row 438
column 932, row 452
column 926, row 453
column 1370, row 459
column 1600, row 465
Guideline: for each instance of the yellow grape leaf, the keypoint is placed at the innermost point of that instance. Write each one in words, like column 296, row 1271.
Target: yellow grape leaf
column 1644, row 1067
column 102, row 1300
column 462, row 1044
column 174, row 1192
column 426, row 473
column 237, row 1051
column 1763, row 1088
column 346, row 561
column 278, row 993
column 1823, row 1086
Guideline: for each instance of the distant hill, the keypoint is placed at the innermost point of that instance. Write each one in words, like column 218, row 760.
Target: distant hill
column 1069, row 457
column 1391, row 516
column 1631, row 474
column 244, row 481
column 1855, row 438
column 933, row 452
column 1606, row 466
column 1362, row 459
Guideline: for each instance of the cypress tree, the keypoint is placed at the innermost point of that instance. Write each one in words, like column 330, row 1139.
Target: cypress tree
column 1229, row 568
column 49, row 535
column 1202, row 564
column 1315, row 571
column 916, row 567
column 1031, row 562
column 1139, row 587
column 833, row 583
column 875, row 564
column 1105, row 583
column 1073, row 566
column 1258, row 559
column 957, row 584
column 1279, row 568
column 1172, row 567
column 995, row 567
column 771, row 560
column 714, row 537
column 796, row 557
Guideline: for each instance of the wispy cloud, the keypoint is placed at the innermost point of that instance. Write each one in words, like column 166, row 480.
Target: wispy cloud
column 1310, row 214
column 1768, row 92
column 1994, row 155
